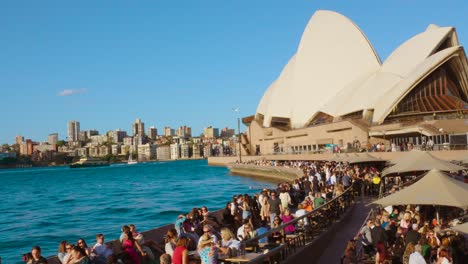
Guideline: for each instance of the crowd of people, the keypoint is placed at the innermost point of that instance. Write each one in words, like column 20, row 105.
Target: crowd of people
column 207, row 238
column 409, row 235
column 243, row 218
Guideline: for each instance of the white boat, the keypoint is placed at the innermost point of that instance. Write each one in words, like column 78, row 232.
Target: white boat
column 130, row 160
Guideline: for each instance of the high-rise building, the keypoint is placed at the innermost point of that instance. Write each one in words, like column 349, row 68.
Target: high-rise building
column 227, row 132
column 52, row 138
column 138, row 128
column 184, row 132
column 117, row 135
column 152, row 132
column 169, row 132
column 211, row 132
column 73, row 130
column 175, row 151
column 163, row 152
column 19, row 139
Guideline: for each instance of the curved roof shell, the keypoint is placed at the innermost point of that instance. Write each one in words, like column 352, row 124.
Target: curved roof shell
column 336, row 71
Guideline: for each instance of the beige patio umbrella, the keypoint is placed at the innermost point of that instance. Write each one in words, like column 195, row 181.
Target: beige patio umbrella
column 419, row 161
column 339, row 157
column 461, row 228
column 362, row 157
column 435, row 188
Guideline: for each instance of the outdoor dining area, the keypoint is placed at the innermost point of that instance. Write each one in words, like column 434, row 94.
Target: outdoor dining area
column 423, row 202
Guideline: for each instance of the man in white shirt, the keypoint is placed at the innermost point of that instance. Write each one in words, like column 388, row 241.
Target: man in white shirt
column 100, row 251
column 416, row 257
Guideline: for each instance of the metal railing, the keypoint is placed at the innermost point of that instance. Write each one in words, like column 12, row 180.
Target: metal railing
column 318, row 220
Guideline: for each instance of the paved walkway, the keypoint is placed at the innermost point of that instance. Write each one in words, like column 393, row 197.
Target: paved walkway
column 344, row 232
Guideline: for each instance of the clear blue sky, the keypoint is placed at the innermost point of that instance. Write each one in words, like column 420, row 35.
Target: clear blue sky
column 169, row 62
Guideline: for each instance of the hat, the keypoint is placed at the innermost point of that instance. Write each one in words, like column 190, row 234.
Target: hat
column 205, row 239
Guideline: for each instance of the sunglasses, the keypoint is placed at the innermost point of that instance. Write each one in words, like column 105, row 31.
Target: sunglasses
column 68, row 248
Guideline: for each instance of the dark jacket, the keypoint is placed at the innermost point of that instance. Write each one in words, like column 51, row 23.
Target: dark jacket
column 412, row 236
column 378, row 234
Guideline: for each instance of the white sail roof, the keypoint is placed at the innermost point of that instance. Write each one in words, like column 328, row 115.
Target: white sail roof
column 337, row 71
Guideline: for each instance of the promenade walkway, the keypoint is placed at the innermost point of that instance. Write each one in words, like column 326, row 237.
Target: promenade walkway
column 331, row 245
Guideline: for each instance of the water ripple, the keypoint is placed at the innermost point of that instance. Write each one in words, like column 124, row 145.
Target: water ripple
column 47, row 205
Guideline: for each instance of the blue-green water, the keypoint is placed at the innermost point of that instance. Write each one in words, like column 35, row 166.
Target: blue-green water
column 43, row 206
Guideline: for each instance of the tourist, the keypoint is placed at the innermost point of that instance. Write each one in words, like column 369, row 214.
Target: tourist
column 129, row 244
column 319, row 200
column 146, row 245
column 277, row 236
column 444, row 257
column 245, row 207
column 350, row 253
column 412, row 236
column 265, row 207
column 264, row 228
column 398, row 249
column 37, row 258
column 78, row 256
column 82, row 244
column 62, row 251
column 68, row 248
column 100, row 251
column 229, row 245
column 27, row 258
column 125, row 229
column 275, row 206
column 228, row 218
column 208, row 229
column 248, row 233
column 408, row 251
column 366, row 236
column 416, row 257
column 207, row 251
column 180, row 255
column 301, row 212
column 287, row 217
column 378, row 233
column 382, row 255
column 165, row 259
column 170, row 241
column 285, row 199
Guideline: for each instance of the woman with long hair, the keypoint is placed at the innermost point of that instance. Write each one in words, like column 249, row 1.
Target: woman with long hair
column 129, row 244
column 62, row 250
column 265, row 207
column 408, row 251
column 78, row 256
column 180, row 255
column 287, row 217
column 82, row 244
column 444, row 257
column 170, row 241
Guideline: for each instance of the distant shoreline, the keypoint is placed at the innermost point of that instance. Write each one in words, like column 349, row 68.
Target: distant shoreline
column 26, row 166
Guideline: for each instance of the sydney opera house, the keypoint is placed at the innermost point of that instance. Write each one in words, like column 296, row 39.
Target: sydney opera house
column 335, row 90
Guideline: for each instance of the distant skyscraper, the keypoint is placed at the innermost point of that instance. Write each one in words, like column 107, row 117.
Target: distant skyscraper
column 152, row 133
column 184, row 132
column 19, row 139
column 138, row 128
column 52, row 138
column 227, row 132
column 73, row 130
column 118, row 135
column 211, row 132
column 168, row 131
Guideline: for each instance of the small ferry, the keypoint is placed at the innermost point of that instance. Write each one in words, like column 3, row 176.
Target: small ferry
column 89, row 162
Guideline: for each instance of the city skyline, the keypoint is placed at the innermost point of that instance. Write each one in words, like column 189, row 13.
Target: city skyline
column 104, row 64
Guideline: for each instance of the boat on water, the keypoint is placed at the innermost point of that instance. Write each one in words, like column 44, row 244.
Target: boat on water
column 89, row 162
column 130, row 160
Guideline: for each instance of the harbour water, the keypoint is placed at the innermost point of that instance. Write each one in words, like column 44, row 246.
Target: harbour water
column 43, row 206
